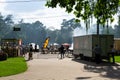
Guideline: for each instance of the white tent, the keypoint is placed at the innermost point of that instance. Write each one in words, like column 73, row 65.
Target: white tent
column 55, row 44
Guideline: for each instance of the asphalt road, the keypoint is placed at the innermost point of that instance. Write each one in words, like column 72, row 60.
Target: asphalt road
column 50, row 67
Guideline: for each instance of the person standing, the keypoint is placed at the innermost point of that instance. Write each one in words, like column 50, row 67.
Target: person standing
column 111, row 53
column 35, row 48
column 97, row 51
column 62, row 51
column 30, row 52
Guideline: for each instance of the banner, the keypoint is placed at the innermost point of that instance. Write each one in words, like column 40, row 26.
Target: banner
column 46, row 42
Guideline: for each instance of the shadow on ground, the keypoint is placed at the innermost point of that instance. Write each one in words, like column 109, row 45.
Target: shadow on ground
column 105, row 69
column 80, row 78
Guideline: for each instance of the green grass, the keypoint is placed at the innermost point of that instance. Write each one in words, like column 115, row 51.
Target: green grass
column 12, row 66
column 117, row 59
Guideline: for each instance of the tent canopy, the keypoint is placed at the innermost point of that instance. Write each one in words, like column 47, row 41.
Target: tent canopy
column 66, row 44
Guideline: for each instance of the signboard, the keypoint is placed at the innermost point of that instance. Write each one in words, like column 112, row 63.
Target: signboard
column 16, row 29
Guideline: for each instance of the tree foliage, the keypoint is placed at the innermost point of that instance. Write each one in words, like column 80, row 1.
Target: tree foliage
column 5, row 24
column 29, row 32
column 67, row 29
column 100, row 9
column 65, row 34
column 36, row 32
column 117, row 29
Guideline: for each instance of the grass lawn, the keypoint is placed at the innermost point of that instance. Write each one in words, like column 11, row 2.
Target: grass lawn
column 12, row 66
column 117, row 59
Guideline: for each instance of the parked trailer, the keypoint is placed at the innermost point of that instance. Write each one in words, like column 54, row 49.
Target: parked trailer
column 84, row 45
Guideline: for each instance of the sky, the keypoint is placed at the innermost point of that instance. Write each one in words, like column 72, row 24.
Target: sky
column 33, row 10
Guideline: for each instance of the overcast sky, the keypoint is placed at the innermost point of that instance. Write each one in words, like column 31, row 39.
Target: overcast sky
column 33, row 10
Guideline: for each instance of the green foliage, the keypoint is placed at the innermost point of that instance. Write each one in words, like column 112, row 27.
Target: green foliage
column 4, row 25
column 65, row 34
column 101, row 9
column 117, row 59
column 77, row 20
column 36, row 32
column 105, row 9
column 67, row 29
column 12, row 66
column 117, row 29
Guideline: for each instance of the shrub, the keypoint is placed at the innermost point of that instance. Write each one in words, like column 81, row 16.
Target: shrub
column 3, row 56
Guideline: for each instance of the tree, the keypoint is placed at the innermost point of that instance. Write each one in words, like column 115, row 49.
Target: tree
column 8, row 20
column 71, row 24
column 102, row 10
column 34, row 32
column 117, row 29
column 2, row 23
column 53, row 34
column 65, row 34
column 5, row 25
column 67, row 29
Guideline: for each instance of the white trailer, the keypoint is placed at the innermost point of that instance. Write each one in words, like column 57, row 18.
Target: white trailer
column 84, row 45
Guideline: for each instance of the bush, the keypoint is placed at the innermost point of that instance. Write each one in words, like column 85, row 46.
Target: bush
column 11, row 52
column 3, row 56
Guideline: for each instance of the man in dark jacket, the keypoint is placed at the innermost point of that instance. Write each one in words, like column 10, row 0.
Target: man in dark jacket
column 62, row 51
column 97, row 51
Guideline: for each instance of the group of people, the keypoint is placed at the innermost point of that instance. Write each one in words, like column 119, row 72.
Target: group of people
column 61, row 51
column 97, row 50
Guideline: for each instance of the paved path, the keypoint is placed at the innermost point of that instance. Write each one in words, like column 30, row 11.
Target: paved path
column 52, row 68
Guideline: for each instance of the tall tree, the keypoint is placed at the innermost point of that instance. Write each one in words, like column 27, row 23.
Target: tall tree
column 5, row 25
column 67, row 29
column 29, row 32
column 71, row 24
column 117, row 29
column 102, row 10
